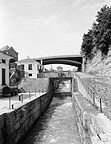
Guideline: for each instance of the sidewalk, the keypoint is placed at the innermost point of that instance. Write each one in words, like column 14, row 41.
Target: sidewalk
column 7, row 103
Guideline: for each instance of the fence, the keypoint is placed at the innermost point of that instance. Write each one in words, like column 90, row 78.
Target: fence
column 89, row 93
column 14, row 101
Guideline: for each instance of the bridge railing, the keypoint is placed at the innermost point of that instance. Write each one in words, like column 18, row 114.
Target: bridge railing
column 89, row 93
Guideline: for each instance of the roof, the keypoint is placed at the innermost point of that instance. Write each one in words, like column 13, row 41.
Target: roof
column 6, row 54
column 59, row 66
column 6, row 48
column 28, row 60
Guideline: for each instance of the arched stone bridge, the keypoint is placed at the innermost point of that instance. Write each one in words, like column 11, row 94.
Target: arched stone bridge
column 73, row 60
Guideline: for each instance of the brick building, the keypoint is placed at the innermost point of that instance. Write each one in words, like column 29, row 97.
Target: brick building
column 10, row 51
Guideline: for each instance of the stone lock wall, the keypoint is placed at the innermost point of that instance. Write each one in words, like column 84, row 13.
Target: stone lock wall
column 2, row 129
column 94, row 127
column 15, row 124
column 19, row 121
column 82, row 118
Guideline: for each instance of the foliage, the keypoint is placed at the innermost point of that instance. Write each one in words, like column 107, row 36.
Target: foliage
column 99, row 36
column 87, row 44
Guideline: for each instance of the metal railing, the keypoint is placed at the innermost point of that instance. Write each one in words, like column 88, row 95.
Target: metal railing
column 22, row 97
column 91, row 95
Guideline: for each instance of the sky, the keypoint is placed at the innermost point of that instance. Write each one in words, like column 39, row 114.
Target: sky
column 38, row 28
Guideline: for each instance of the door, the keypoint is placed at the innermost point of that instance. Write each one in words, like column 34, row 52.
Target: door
column 3, row 76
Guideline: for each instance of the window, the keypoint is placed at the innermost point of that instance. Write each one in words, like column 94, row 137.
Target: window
column 3, row 76
column 3, row 61
column 22, row 67
column 29, row 66
column 30, row 74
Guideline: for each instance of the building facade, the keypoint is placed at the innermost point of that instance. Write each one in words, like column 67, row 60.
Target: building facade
column 4, row 70
column 30, row 66
column 10, row 51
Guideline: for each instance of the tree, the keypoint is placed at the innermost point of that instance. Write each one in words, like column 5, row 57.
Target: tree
column 99, row 37
column 101, row 13
column 87, row 44
column 102, row 30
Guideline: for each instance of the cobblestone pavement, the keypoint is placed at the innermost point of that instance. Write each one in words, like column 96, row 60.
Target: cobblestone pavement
column 56, row 126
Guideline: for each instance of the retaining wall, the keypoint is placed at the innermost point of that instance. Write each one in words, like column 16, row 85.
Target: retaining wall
column 15, row 124
column 94, row 127
column 2, row 129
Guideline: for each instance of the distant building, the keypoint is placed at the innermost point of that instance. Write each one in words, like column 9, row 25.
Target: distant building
column 30, row 66
column 59, row 69
column 10, row 51
column 51, row 69
column 4, row 70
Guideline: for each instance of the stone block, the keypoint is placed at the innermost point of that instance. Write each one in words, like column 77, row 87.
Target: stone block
column 17, row 138
column 1, row 121
column 25, row 126
column 1, row 134
column 9, row 127
column 86, row 121
column 17, row 114
column 1, row 117
column 16, row 124
column 2, row 141
column 101, row 127
column 22, row 120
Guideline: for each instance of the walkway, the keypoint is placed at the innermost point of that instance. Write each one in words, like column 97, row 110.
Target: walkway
column 7, row 102
column 57, row 125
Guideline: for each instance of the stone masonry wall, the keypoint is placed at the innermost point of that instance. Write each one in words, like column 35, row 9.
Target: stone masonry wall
column 16, row 123
column 94, row 127
column 82, row 118
column 2, row 129
column 19, row 121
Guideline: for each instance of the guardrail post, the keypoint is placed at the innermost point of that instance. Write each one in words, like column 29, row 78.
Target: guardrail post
column 35, row 93
column 19, row 98
column 10, row 101
column 22, row 98
column 100, row 105
column 93, row 99
column 12, row 106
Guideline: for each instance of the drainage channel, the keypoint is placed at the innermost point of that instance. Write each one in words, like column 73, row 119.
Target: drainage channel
column 56, row 126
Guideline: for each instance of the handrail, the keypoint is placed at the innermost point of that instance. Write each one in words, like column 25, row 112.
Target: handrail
column 96, row 102
column 23, row 97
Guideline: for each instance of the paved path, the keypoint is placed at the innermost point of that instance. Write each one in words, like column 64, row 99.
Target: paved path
column 4, row 102
column 56, row 126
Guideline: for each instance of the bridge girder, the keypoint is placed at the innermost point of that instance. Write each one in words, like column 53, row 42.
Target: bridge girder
column 62, row 61
column 73, row 60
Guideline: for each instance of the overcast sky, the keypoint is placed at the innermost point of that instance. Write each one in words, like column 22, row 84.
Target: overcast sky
column 38, row 28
